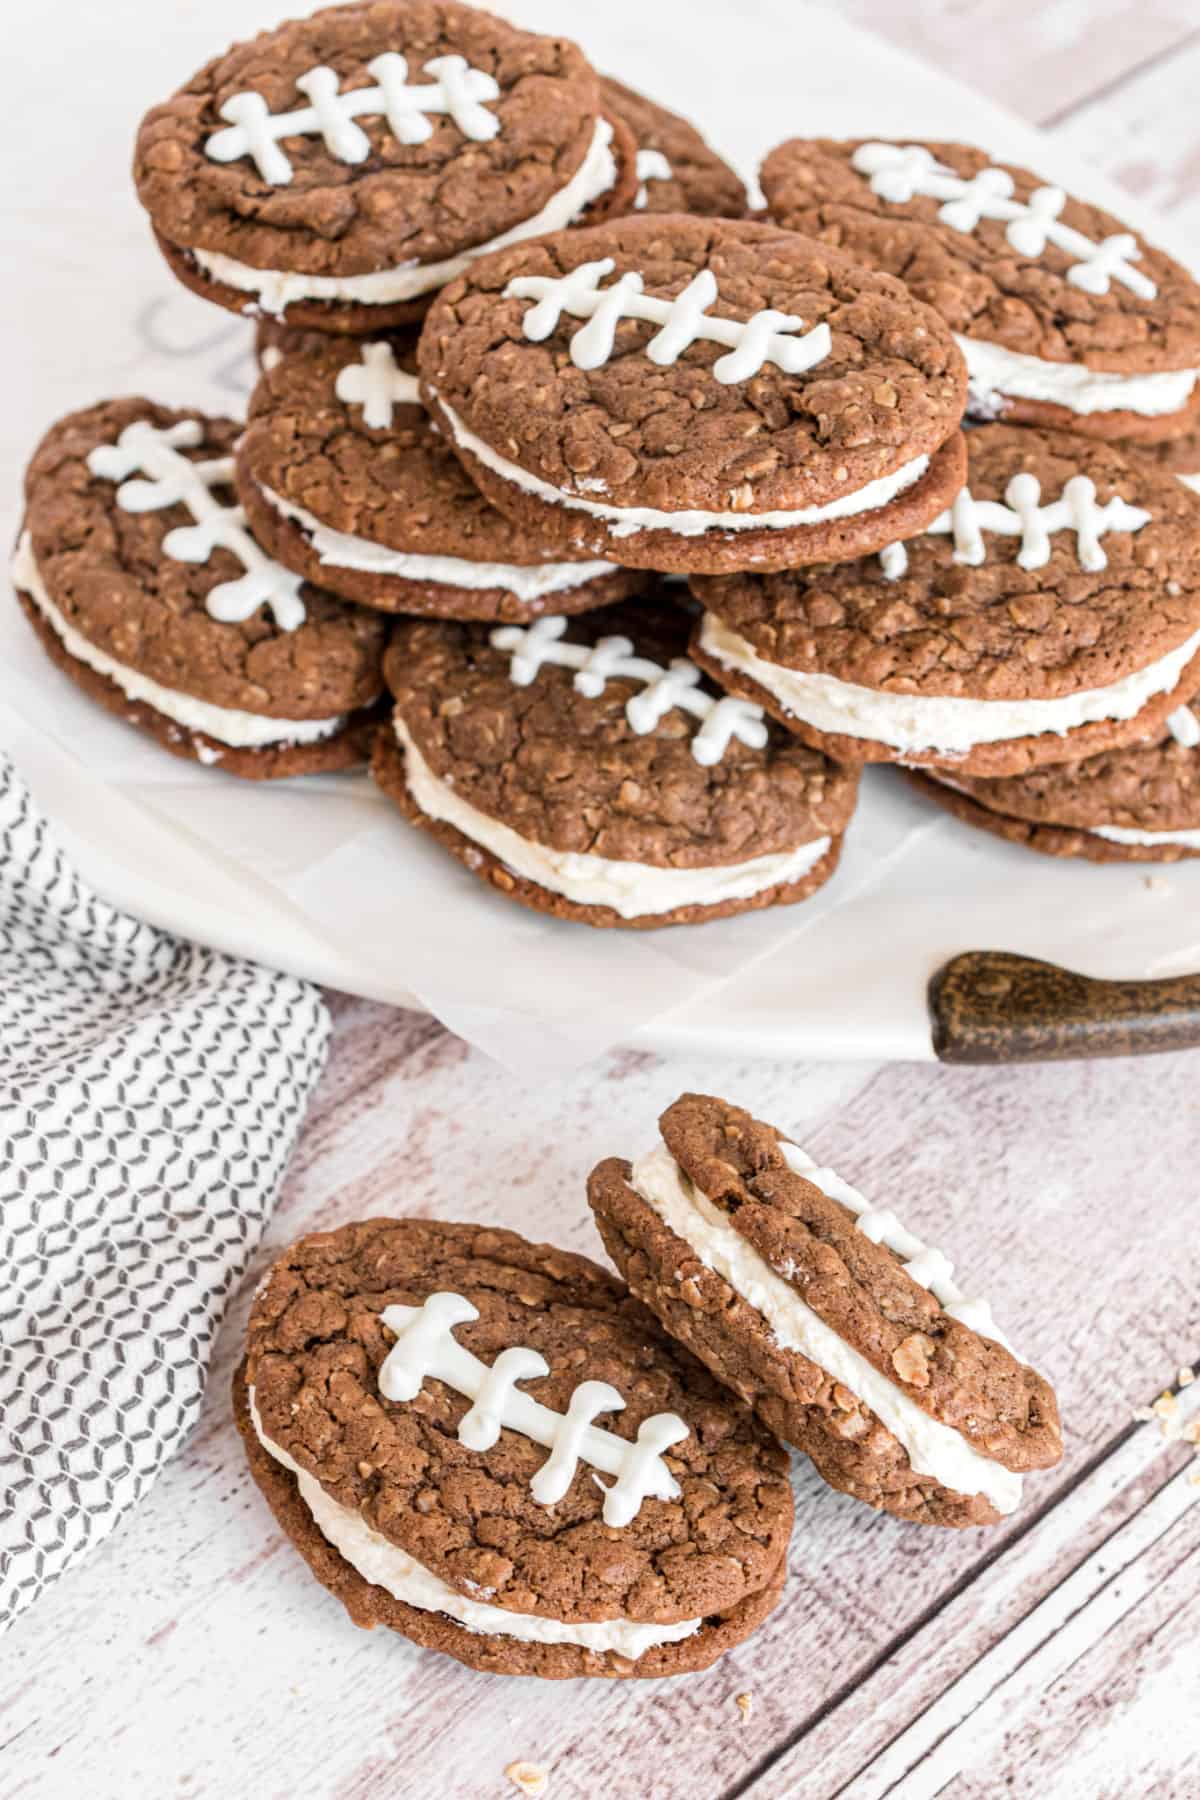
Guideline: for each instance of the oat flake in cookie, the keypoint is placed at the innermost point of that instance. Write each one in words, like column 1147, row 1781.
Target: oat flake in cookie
column 1052, row 611
column 677, row 170
column 337, row 171
column 584, row 768
column 1065, row 316
column 488, row 1446
column 346, row 481
column 689, row 394
column 846, row 1334
column 1139, row 804
column 140, row 578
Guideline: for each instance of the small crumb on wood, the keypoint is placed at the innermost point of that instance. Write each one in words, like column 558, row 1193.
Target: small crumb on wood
column 745, row 1705
column 1156, row 884
column 527, row 1776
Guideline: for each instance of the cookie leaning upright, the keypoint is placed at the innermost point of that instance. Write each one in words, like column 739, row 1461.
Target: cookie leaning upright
column 845, row 1333
column 336, row 171
column 488, row 1446
column 585, row 769
column 687, row 394
column 678, row 171
column 1051, row 612
column 1065, row 316
column 346, row 481
column 137, row 571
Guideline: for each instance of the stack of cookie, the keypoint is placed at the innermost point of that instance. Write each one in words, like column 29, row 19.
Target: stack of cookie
column 420, row 1405
column 656, row 521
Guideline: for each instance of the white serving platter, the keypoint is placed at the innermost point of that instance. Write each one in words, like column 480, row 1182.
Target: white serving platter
column 319, row 878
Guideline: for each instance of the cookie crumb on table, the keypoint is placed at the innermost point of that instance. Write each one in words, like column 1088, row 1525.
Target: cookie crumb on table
column 527, row 1776
column 745, row 1705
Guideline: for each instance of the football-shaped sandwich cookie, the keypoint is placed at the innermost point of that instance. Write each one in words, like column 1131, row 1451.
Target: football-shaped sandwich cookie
column 1065, row 316
column 488, row 1445
column 338, row 170
column 1053, row 610
column 586, row 769
column 846, row 1334
column 1139, row 804
column 686, row 394
column 138, row 573
column 677, row 171
column 346, row 481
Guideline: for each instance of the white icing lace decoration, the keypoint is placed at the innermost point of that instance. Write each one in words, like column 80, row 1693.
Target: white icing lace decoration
column 174, row 480
column 684, row 321
column 1184, row 727
column 898, row 172
column 929, row 1268
column 254, row 130
column 652, row 165
column 611, row 658
column 377, row 385
column 1025, row 517
column 425, row 1346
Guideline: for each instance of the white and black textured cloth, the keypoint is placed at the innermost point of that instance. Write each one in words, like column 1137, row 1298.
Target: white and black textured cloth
column 150, row 1095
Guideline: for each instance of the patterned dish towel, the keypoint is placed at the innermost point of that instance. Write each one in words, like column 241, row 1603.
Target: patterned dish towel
column 150, row 1095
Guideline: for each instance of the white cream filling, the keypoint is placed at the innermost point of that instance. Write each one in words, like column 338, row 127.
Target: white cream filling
column 994, row 372
column 933, row 1449
column 623, row 521
column 1120, row 834
column 633, row 890
column 240, row 730
column 278, row 288
column 341, row 550
column 911, row 723
column 386, row 1566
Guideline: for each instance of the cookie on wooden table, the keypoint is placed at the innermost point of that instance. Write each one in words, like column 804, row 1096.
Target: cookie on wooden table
column 678, row 171
column 697, row 394
column 1139, row 804
column 138, row 574
column 489, row 1446
column 1052, row 611
column 345, row 480
column 584, row 768
column 337, row 171
column 1065, row 316
column 844, row 1332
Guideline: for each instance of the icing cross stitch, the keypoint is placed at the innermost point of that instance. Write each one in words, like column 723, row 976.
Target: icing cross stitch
column 254, row 130
column 1025, row 517
column 652, row 165
column 684, row 320
column 174, row 480
column 899, row 172
column 929, row 1268
column 612, row 657
column 377, row 385
column 425, row 1345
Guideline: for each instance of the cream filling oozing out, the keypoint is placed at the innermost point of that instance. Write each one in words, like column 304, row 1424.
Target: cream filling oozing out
column 623, row 521
column 278, row 288
column 1116, row 834
column 340, row 550
column 633, row 890
column 949, row 725
column 933, row 1449
column 240, row 730
column 385, row 1565
column 995, row 373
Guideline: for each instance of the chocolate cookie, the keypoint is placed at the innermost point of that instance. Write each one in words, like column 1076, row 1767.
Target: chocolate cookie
column 1181, row 456
column 337, row 171
column 583, row 768
column 136, row 570
column 690, row 394
column 677, row 171
column 844, row 1332
column 1065, row 316
column 345, row 480
column 1052, row 611
column 1139, row 804
column 383, row 1421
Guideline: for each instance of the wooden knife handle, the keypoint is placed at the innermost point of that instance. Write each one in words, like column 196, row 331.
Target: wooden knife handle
column 989, row 1006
